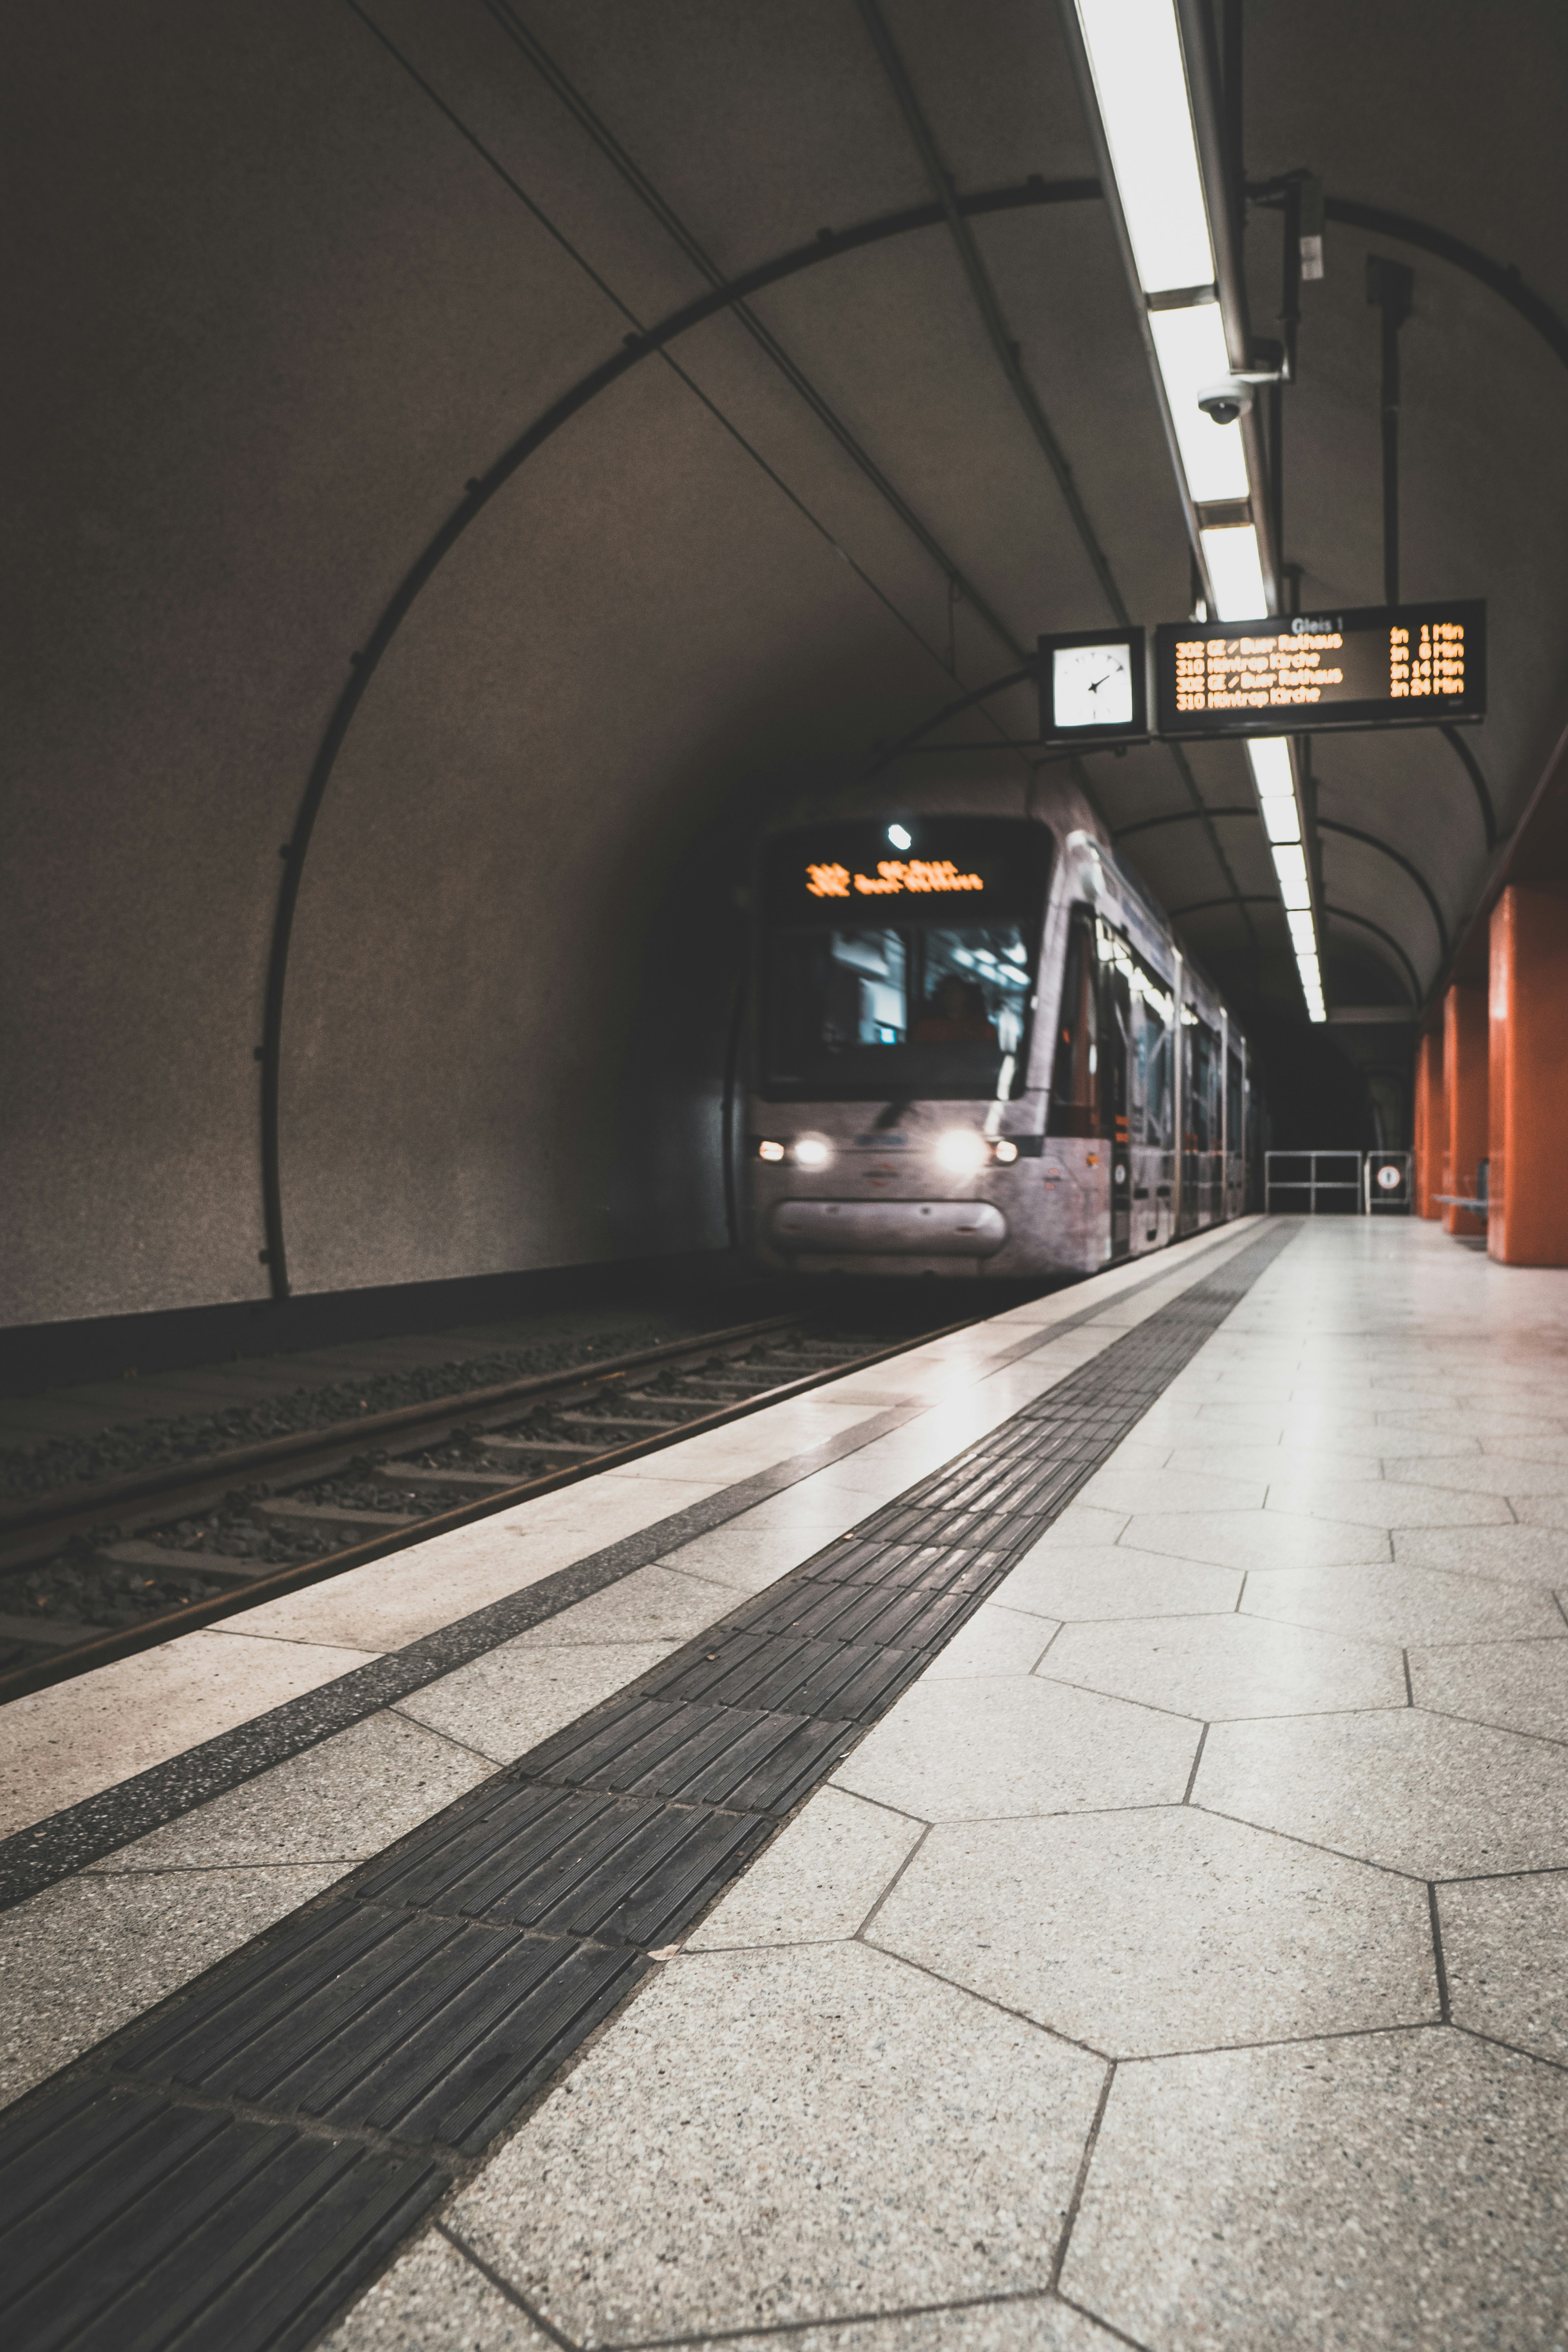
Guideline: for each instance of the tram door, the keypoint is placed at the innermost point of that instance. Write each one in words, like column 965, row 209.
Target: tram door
column 1115, row 1043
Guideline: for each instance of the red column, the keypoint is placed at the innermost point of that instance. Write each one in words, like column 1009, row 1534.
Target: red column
column 1431, row 1124
column 1529, row 1077
column 1466, row 1049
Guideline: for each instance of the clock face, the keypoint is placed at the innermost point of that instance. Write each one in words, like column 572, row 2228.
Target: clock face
column 1091, row 686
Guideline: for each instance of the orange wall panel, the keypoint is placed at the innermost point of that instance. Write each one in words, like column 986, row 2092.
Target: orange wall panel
column 1466, row 1053
column 1528, row 1077
column 1431, row 1124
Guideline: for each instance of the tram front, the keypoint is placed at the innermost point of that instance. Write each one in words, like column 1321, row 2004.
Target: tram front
column 894, row 1125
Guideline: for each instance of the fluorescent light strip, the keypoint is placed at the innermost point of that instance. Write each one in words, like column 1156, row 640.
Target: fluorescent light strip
column 1140, row 80
column 1290, row 866
column 1190, row 346
column 1235, row 570
column 1269, row 756
column 1135, row 59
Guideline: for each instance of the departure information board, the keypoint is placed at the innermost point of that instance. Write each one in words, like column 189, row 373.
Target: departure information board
column 1380, row 666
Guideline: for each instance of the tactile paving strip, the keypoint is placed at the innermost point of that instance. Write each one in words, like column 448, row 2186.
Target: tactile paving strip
column 229, row 2170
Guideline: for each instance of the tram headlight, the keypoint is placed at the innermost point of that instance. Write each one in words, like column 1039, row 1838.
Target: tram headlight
column 812, row 1152
column 962, row 1151
column 1004, row 1151
column 770, row 1152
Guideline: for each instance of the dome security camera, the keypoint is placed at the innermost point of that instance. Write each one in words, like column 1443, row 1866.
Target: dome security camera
column 1228, row 400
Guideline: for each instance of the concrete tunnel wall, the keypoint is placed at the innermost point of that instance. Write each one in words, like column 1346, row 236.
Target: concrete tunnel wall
column 274, row 310
column 318, row 322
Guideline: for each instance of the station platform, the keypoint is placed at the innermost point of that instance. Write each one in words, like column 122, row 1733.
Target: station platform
column 1058, row 1839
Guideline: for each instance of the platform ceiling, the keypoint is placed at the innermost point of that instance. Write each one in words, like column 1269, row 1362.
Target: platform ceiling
column 287, row 278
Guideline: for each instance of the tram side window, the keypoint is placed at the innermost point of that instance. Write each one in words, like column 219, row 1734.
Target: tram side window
column 1152, row 1096
column 1233, row 1104
column 1075, row 1072
column 1202, row 1086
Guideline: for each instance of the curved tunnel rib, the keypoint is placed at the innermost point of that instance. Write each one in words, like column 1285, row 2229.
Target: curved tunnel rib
column 1353, row 833
column 539, row 58
column 1473, row 768
column 998, row 333
column 827, row 245
column 1344, row 914
column 1208, row 905
column 1175, row 816
column 644, row 345
column 949, row 710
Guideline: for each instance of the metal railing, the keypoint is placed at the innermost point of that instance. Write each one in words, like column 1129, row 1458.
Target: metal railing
column 1351, row 1183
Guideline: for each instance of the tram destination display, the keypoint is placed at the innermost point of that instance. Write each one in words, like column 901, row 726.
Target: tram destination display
column 1379, row 666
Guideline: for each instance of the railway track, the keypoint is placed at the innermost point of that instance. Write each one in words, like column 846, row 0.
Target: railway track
column 99, row 1573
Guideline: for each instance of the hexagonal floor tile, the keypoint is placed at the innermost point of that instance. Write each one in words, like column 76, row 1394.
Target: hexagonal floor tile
column 1117, row 1489
column 1164, row 1930
column 767, row 2137
column 1398, row 2192
column 995, row 1641
column 1357, row 1459
column 1479, row 1473
column 1225, row 1666
column 1519, row 1685
column 1254, row 1540
column 1028, row 2323
column 992, row 1750
column 1417, row 1792
column 1106, row 1580
column 1510, row 1555
column 1503, row 1941
column 1382, row 1503
column 1542, row 1510
column 817, row 1880
column 1527, row 1449
column 1474, row 1419
column 1401, row 1605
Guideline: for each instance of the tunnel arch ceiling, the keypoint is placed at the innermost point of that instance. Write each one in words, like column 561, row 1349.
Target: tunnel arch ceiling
column 281, row 307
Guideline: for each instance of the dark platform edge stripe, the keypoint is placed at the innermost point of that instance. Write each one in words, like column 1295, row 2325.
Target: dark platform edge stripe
column 79, row 1835
column 359, row 2096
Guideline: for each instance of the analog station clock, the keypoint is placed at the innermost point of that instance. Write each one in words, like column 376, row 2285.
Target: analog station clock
column 1092, row 685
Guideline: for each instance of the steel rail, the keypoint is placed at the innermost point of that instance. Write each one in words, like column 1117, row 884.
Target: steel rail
column 67, row 1663
column 829, row 245
column 68, row 1509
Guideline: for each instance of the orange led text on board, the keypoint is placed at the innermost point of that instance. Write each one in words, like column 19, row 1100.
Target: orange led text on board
column 892, row 878
column 1261, row 673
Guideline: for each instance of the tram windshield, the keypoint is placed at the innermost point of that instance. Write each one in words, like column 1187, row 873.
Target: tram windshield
column 894, row 971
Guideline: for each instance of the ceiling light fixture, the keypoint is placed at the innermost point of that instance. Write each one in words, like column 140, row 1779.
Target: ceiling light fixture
column 1147, row 80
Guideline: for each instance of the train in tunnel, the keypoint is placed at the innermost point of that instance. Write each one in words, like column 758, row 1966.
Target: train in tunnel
column 977, row 1048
